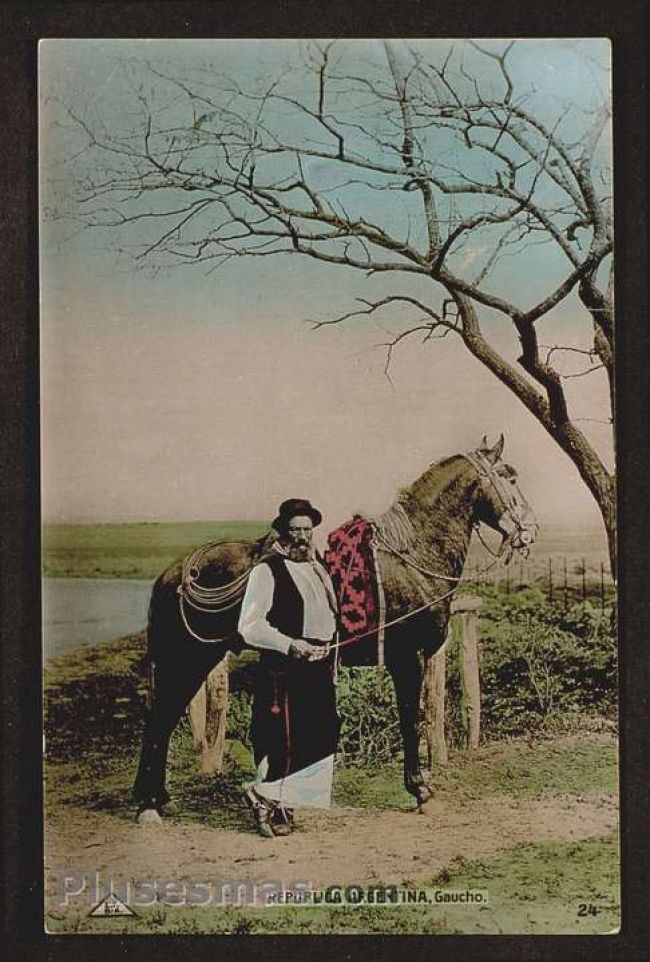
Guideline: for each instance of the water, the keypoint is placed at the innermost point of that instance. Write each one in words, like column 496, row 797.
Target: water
column 88, row 611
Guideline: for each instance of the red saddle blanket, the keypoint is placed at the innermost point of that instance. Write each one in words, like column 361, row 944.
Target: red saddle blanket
column 350, row 560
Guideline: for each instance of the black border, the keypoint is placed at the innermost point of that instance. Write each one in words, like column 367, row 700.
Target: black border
column 21, row 25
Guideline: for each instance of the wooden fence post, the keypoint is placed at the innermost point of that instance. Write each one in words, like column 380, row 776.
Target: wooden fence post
column 208, row 717
column 468, row 609
column 434, row 688
column 434, row 708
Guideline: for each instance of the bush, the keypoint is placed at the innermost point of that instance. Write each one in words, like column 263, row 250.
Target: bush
column 366, row 705
column 542, row 669
column 539, row 664
column 370, row 733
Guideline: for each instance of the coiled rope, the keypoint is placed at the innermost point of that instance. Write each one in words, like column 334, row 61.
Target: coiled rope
column 213, row 600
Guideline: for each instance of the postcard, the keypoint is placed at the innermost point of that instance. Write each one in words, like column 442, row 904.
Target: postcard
column 329, row 527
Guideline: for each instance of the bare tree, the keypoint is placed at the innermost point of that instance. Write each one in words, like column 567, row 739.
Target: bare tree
column 442, row 175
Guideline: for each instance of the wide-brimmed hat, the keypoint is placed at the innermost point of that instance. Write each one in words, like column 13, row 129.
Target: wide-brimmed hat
column 293, row 507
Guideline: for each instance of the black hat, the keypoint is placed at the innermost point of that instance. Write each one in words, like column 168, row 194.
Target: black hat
column 293, row 507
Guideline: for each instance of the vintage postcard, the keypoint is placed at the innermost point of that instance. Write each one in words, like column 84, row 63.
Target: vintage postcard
column 329, row 536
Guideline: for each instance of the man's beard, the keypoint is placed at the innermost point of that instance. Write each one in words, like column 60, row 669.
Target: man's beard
column 299, row 552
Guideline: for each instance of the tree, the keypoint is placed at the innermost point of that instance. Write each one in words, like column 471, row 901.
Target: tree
column 448, row 176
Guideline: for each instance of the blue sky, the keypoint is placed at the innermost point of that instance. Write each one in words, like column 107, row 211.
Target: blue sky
column 206, row 395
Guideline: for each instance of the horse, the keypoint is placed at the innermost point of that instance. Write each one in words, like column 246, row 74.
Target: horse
column 422, row 542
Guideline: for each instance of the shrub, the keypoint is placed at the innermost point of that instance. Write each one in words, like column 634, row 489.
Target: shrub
column 369, row 724
column 542, row 669
column 539, row 663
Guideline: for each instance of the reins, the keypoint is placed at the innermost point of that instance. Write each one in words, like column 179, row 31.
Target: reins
column 436, row 574
column 394, row 621
column 222, row 598
column 339, row 644
column 415, row 611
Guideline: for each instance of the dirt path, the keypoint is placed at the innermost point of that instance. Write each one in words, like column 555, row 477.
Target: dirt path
column 343, row 846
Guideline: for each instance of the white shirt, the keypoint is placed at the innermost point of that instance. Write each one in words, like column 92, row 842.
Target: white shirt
column 318, row 617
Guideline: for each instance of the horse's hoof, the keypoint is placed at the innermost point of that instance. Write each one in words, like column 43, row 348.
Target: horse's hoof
column 423, row 808
column 148, row 816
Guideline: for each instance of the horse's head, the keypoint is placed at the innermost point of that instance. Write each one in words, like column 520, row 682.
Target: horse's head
column 499, row 501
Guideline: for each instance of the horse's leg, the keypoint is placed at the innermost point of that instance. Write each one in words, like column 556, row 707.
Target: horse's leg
column 405, row 668
column 175, row 682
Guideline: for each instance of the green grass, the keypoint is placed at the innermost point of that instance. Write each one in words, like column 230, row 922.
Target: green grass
column 539, row 888
column 142, row 550
column 94, row 706
column 132, row 550
column 520, row 771
column 100, row 778
column 95, row 702
column 514, row 770
column 533, row 889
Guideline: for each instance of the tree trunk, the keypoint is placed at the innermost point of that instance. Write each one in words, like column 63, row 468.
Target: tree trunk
column 565, row 433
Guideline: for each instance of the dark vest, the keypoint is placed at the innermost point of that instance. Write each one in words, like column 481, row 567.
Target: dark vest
column 294, row 718
column 287, row 611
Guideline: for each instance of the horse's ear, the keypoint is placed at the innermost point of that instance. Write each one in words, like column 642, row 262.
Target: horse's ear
column 484, row 445
column 495, row 453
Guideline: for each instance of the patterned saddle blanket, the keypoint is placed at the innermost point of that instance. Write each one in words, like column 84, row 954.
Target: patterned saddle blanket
column 351, row 560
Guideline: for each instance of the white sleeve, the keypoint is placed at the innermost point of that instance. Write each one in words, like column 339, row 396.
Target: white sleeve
column 253, row 624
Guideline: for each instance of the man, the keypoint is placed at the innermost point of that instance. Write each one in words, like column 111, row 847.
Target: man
column 289, row 613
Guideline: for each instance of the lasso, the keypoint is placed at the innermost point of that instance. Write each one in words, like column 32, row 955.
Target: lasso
column 208, row 600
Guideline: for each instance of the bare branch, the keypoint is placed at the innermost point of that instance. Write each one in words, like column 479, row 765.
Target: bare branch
column 442, row 170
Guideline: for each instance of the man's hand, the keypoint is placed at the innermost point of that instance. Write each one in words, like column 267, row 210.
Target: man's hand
column 306, row 651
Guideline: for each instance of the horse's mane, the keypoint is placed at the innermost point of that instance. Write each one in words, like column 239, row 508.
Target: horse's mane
column 394, row 526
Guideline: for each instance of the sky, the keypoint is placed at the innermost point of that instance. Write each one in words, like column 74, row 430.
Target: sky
column 193, row 395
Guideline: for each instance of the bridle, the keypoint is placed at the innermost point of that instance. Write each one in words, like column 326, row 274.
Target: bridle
column 487, row 471
column 224, row 598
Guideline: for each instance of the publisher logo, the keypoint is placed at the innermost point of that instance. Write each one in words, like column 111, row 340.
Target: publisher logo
column 111, row 907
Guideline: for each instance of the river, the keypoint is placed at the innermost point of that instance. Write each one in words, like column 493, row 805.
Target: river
column 88, row 611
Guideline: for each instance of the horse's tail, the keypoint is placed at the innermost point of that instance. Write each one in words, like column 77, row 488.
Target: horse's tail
column 162, row 616
column 151, row 615
column 150, row 644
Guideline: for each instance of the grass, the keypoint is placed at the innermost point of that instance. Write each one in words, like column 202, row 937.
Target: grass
column 100, row 777
column 143, row 550
column 94, row 705
column 541, row 888
column 95, row 702
column 513, row 769
column 132, row 550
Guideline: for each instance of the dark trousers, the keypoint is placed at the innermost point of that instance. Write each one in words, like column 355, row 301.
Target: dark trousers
column 295, row 722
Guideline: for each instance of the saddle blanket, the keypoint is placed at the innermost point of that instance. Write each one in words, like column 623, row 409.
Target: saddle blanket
column 351, row 561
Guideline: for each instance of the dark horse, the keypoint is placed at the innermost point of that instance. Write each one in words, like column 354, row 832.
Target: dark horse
column 423, row 541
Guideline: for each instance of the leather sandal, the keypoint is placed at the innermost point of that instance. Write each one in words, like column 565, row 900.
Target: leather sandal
column 262, row 812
